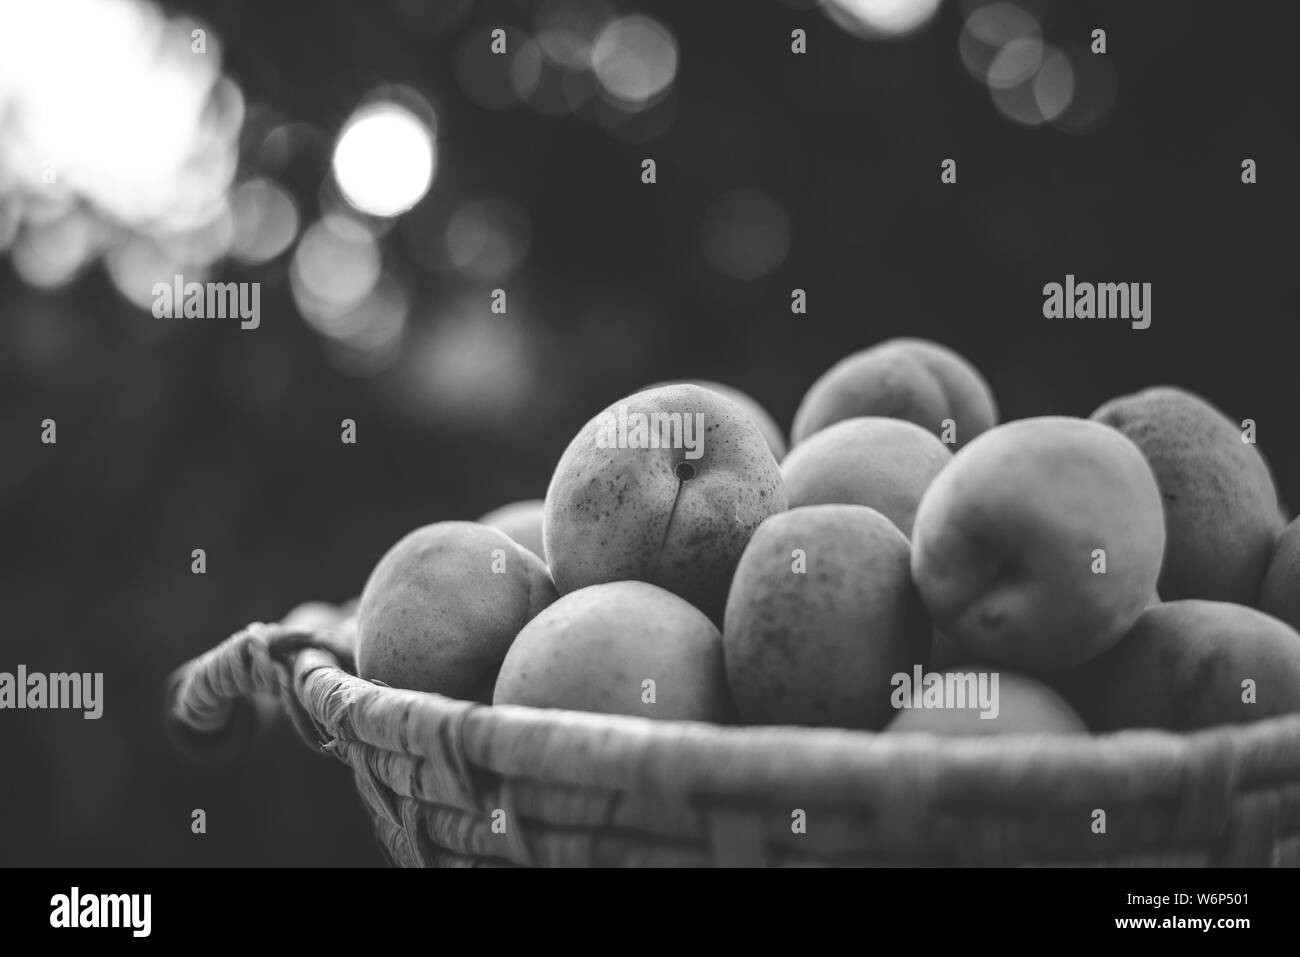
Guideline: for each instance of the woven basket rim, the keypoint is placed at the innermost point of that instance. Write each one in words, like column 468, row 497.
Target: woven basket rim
column 673, row 728
column 585, row 787
column 680, row 756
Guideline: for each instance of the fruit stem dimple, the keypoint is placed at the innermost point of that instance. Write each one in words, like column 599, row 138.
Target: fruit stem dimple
column 672, row 512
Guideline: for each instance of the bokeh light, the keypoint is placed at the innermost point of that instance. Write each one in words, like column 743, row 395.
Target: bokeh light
column 1030, row 81
column 1041, row 96
column 287, row 145
column 47, row 255
column 126, row 116
column 566, row 31
column 335, row 266
column 1016, row 62
column 10, row 218
column 634, row 59
column 139, row 262
column 745, row 234
column 1018, row 104
column 384, row 160
column 118, row 110
column 526, row 69
column 1054, row 85
column 265, row 220
column 880, row 19
column 990, row 28
column 204, row 241
column 469, row 367
column 367, row 337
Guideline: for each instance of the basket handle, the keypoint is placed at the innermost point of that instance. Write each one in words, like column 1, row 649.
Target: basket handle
column 209, row 713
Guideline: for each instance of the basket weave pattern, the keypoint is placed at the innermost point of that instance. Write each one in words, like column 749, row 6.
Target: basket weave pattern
column 454, row 783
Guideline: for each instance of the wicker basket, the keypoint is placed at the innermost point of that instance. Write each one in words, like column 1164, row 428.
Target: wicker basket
column 453, row 783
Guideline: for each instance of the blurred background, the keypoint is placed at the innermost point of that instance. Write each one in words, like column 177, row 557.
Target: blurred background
column 379, row 170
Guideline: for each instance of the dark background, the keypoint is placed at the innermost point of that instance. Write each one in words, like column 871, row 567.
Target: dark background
column 174, row 436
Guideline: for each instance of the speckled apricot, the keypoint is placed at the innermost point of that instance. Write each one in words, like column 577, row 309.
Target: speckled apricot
column 1187, row 665
column 821, row 614
column 912, row 379
column 885, row 464
column 661, row 515
column 619, row 648
column 1221, row 508
column 522, row 521
column 443, row 605
column 1010, row 540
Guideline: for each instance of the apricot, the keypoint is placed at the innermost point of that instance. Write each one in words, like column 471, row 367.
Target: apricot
column 1221, row 509
column 821, row 614
column 1013, row 703
column 1191, row 664
column 912, row 379
column 885, row 464
column 665, row 486
column 619, row 648
column 443, row 605
column 772, row 432
column 1040, row 543
column 522, row 521
column 1280, row 595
